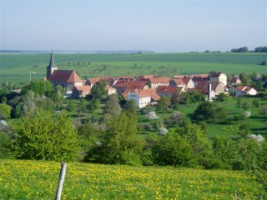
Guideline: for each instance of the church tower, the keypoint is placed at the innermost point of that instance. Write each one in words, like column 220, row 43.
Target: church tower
column 51, row 67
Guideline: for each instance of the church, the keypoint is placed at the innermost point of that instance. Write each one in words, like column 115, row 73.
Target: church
column 68, row 79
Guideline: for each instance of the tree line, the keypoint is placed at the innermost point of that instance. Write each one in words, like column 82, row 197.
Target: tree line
column 245, row 49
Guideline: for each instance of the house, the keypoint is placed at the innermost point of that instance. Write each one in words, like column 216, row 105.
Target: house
column 211, row 89
column 109, row 79
column 235, row 81
column 144, row 97
column 123, row 86
column 199, row 79
column 184, row 82
column 218, row 77
column 155, row 82
column 164, row 91
column 81, row 91
column 68, row 79
column 111, row 90
column 245, row 90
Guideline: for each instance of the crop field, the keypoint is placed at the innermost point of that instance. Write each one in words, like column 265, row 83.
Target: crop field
column 38, row 180
column 18, row 67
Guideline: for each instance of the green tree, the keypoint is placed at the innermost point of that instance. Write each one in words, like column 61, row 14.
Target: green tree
column 120, row 143
column 163, row 104
column 40, row 87
column 221, row 97
column 112, row 108
column 43, row 136
column 89, row 135
column 131, row 108
column 5, row 145
column 244, row 130
column 172, row 149
column 5, row 111
column 82, row 105
column 99, row 90
column 225, row 152
column 256, row 103
column 211, row 111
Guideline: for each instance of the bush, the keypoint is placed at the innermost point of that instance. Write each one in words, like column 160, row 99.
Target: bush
column 43, row 136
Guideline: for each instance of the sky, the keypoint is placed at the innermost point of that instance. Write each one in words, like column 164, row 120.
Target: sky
column 155, row 25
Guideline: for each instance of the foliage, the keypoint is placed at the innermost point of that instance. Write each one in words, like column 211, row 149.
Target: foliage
column 112, row 108
column 191, row 97
column 244, row 130
column 163, row 104
column 89, row 136
column 5, row 111
column 210, row 111
column 5, row 145
column 241, row 49
column 221, row 97
column 172, row 149
column 40, row 87
column 99, row 90
column 45, row 137
column 120, row 143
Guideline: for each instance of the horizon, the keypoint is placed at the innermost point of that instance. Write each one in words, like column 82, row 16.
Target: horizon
column 133, row 25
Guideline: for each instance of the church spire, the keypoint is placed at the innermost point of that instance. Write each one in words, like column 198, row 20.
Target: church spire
column 51, row 67
column 52, row 60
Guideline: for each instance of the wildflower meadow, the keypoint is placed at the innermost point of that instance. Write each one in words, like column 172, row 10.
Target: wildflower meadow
column 21, row 179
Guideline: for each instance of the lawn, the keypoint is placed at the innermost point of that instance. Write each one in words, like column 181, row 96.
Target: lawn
column 38, row 180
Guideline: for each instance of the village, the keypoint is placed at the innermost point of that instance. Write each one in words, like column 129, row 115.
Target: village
column 148, row 89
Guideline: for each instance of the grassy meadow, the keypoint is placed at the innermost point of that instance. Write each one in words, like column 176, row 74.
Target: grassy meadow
column 17, row 67
column 38, row 180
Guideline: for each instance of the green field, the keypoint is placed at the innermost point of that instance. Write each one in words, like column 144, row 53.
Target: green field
column 256, row 122
column 17, row 67
column 38, row 180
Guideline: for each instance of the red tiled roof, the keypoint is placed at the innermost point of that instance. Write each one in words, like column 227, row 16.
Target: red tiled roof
column 244, row 88
column 154, row 96
column 159, row 79
column 131, row 84
column 169, row 89
column 181, row 81
column 67, row 76
column 147, row 93
column 85, row 88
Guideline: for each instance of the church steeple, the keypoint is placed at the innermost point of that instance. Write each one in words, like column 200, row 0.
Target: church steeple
column 51, row 67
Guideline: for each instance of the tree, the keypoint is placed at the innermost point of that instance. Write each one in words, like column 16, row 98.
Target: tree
column 242, row 49
column 40, row 87
column 164, row 104
column 210, row 111
column 5, row 111
column 172, row 149
column 244, row 130
column 221, row 97
column 130, row 108
column 43, row 136
column 120, row 143
column 81, row 106
column 225, row 152
column 99, row 90
column 112, row 108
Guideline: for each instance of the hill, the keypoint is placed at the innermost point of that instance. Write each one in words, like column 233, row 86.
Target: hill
column 18, row 67
column 38, row 180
